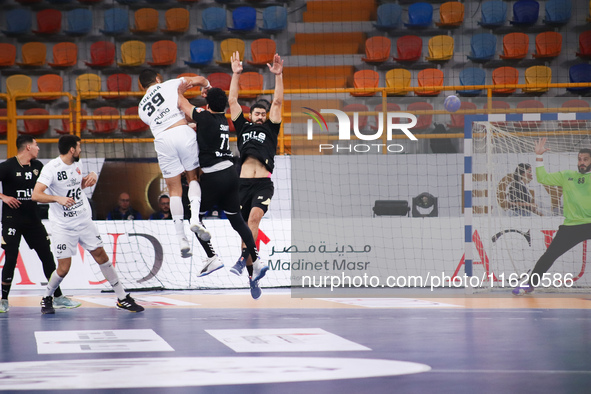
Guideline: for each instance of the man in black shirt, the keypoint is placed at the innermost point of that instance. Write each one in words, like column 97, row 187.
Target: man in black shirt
column 219, row 181
column 257, row 143
column 123, row 210
column 20, row 217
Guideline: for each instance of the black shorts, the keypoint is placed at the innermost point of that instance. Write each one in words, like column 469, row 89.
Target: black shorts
column 35, row 234
column 220, row 188
column 255, row 192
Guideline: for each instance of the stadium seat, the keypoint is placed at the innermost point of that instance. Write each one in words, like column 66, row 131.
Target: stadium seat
column 146, row 21
column 18, row 22
column 220, row 80
column 134, row 125
column 483, row 47
column 451, row 14
column 133, row 53
column 525, row 12
column 423, row 121
column 116, row 21
column 66, row 122
column 409, row 49
column 441, row 48
column 213, row 20
column 472, row 76
column 365, row 79
column 102, row 54
column 389, row 16
column 584, row 44
column 515, row 46
column 228, row 47
column 244, row 19
column 49, row 83
column 33, row 54
column 201, row 52
column 575, row 103
column 494, row 14
column 558, row 12
column 377, row 49
column 106, row 126
column 262, row 50
column 579, row 73
column 429, row 77
column 362, row 120
column 397, row 81
column 65, row 54
column 529, row 104
column 36, row 126
column 274, row 19
column 194, row 88
column 88, row 86
column 390, row 107
column 3, row 123
column 245, row 112
column 7, row 55
column 457, row 120
column 505, row 76
column 116, row 83
column 163, row 53
column 250, row 81
column 548, row 44
column 538, row 75
column 19, row 83
column 49, row 21
column 419, row 15
column 177, row 20
column 79, row 22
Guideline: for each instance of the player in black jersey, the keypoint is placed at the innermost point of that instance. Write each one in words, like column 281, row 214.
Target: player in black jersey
column 20, row 217
column 257, row 143
column 219, row 181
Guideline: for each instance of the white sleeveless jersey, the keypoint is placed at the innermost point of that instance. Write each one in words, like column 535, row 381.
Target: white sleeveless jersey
column 159, row 107
column 66, row 180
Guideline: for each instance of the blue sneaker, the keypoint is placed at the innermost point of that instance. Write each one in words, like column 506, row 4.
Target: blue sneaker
column 255, row 290
column 523, row 290
column 238, row 267
column 259, row 269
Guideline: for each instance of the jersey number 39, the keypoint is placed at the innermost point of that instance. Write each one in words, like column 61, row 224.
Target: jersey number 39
column 156, row 100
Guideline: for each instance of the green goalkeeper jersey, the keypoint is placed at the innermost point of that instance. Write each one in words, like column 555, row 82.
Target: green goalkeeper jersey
column 576, row 193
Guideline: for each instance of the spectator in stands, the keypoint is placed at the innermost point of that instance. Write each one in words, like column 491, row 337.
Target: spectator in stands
column 124, row 211
column 164, row 209
column 521, row 202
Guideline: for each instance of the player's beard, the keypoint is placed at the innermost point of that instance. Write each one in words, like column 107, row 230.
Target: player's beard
column 76, row 158
column 584, row 170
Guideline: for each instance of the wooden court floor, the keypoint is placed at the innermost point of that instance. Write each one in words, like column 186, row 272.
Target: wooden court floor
column 225, row 342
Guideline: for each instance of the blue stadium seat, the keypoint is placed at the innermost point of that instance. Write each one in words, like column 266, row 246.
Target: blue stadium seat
column 274, row 19
column 244, row 19
column 419, row 15
column 116, row 21
column 558, row 12
column 201, row 52
column 579, row 73
column 18, row 21
column 79, row 22
column 213, row 20
column 525, row 12
column 494, row 13
column 389, row 16
column 484, row 47
column 472, row 76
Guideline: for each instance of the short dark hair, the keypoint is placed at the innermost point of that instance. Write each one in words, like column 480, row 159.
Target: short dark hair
column 163, row 196
column 259, row 104
column 66, row 142
column 147, row 77
column 521, row 170
column 23, row 140
column 216, row 99
column 585, row 150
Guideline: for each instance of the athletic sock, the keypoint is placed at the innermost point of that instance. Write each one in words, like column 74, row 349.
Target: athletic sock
column 5, row 290
column 250, row 270
column 176, row 209
column 194, row 194
column 111, row 276
column 53, row 284
column 207, row 247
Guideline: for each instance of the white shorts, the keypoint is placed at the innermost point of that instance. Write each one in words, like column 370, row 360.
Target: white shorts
column 177, row 151
column 64, row 242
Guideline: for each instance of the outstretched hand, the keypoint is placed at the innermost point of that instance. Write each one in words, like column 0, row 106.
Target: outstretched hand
column 540, row 148
column 236, row 63
column 277, row 67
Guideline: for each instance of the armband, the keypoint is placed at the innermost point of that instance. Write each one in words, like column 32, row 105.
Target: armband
column 540, row 157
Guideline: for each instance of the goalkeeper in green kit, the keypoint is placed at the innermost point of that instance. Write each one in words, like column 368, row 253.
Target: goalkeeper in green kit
column 576, row 191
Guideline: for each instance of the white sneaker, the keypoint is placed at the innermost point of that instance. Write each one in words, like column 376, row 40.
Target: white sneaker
column 259, row 269
column 185, row 248
column 211, row 264
column 65, row 302
column 4, row 307
column 201, row 231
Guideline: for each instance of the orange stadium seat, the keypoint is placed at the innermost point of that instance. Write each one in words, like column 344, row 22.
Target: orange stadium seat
column 106, row 126
column 390, row 107
column 515, row 46
column 163, row 53
column 65, row 54
column 250, row 81
column 19, row 83
column 451, row 14
column 118, row 83
column 584, row 44
column 262, row 50
column 36, row 126
column 457, row 120
column 33, row 54
column 377, row 49
column 505, row 76
column 134, row 125
column 409, row 48
column 365, row 79
column 397, row 80
column 429, row 77
column 220, row 80
column 66, row 122
column 7, row 55
column 146, row 21
column 49, row 83
column 548, row 44
column 102, row 54
column 177, row 20
column 424, row 121
column 49, row 21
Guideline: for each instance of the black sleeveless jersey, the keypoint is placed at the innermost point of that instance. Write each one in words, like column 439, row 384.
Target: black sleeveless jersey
column 19, row 181
column 257, row 140
column 213, row 137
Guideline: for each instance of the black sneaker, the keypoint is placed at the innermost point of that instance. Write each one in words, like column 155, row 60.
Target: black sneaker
column 47, row 305
column 129, row 304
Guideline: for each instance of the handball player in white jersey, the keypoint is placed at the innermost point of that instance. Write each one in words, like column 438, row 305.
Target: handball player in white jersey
column 176, row 146
column 61, row 183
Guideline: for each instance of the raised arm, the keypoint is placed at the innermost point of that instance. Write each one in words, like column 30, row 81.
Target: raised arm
column 235, row 108
column 277, row 69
